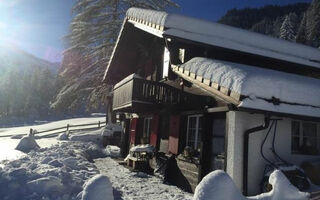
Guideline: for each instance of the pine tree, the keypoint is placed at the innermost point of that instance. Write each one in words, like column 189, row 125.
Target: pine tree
column 301, row 35
column 93, row 33
column 313, row 23
column 288, row 28
column 96, row 23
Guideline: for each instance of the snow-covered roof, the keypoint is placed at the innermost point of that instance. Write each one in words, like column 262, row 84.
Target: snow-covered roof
column 151, row 17
column 256, row 88
column 162, row 24
column 221, row 35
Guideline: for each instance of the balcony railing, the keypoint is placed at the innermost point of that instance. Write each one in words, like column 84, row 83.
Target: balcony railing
column 135, row 94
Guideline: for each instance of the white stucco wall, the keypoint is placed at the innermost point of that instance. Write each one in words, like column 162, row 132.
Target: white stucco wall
column 238, row 123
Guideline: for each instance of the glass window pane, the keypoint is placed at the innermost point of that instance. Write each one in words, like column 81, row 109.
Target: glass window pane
column 309, row 142
column 295, row 127
column 194, row 128
column 295, row 144
column 309, row 129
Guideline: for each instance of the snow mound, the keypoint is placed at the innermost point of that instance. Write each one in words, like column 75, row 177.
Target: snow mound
column 97, row 188
column 57, row 172
column 282, row 189
column 45, row 185
column 63, row 136
column 112, row 151
column 16, row 137
column 92, row 136
column 110, row 129
column 27, row 143
column 219, row 186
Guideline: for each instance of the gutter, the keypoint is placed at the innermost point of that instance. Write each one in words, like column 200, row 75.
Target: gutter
column 246, row 151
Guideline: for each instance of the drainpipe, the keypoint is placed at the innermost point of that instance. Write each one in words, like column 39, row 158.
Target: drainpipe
column 246, row 151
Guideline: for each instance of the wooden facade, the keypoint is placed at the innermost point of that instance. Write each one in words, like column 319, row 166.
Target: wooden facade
column 179, row 113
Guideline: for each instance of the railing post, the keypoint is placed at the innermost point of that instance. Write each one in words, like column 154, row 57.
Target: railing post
column 99, row 124
column 67, row 127
column 31, row 131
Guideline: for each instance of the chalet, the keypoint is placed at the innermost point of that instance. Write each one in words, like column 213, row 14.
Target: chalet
column 215, row 96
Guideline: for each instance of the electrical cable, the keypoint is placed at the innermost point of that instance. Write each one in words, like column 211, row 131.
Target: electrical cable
column 262, row 144
column 273, row 146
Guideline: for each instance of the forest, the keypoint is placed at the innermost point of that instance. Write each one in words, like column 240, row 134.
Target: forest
column 298, row 22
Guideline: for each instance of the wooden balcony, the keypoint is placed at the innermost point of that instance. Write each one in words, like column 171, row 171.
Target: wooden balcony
column 134, row 94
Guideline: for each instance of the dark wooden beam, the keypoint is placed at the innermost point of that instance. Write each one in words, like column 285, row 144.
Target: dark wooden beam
column 218, row 109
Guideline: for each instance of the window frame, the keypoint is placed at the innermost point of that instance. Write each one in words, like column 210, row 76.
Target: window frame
column 195, row 142
column 301, row 136
column 147, row 132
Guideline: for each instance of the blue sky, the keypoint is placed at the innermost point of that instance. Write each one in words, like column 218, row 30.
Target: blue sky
column 37, row 26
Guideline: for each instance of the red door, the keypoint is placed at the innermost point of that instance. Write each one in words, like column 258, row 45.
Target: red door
column 133, row 130
column 174, row 134
column 154, row 130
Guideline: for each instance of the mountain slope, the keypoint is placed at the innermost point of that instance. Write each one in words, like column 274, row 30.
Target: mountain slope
column 13, row 58
column 27, row 85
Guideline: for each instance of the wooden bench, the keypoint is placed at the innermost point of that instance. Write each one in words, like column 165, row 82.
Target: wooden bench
column 135, row 163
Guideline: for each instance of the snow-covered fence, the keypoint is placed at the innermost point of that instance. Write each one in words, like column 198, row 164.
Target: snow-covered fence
column 58, row 130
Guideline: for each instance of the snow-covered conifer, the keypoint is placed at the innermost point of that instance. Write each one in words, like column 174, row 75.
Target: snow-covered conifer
column 287, row 30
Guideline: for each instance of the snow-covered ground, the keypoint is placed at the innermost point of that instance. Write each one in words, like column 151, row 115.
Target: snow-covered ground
column 76, row 168
column 64, row 170
column 50, row 125
column 7, row 145
column 130, row 185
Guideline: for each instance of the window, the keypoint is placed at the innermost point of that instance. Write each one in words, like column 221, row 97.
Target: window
column 147, row 127
column 305, row 138
column 194, row 131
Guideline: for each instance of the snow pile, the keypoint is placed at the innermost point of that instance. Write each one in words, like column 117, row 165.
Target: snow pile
column 219, row 186
column 143, row 148
column 27, row 143
column 281, row 189
column 92, row 136
column 112, row 151
column 46, row 185
column 57, row 172
column 63, row 136
column 16, row 136
column 97, row 188
column 110, row 129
